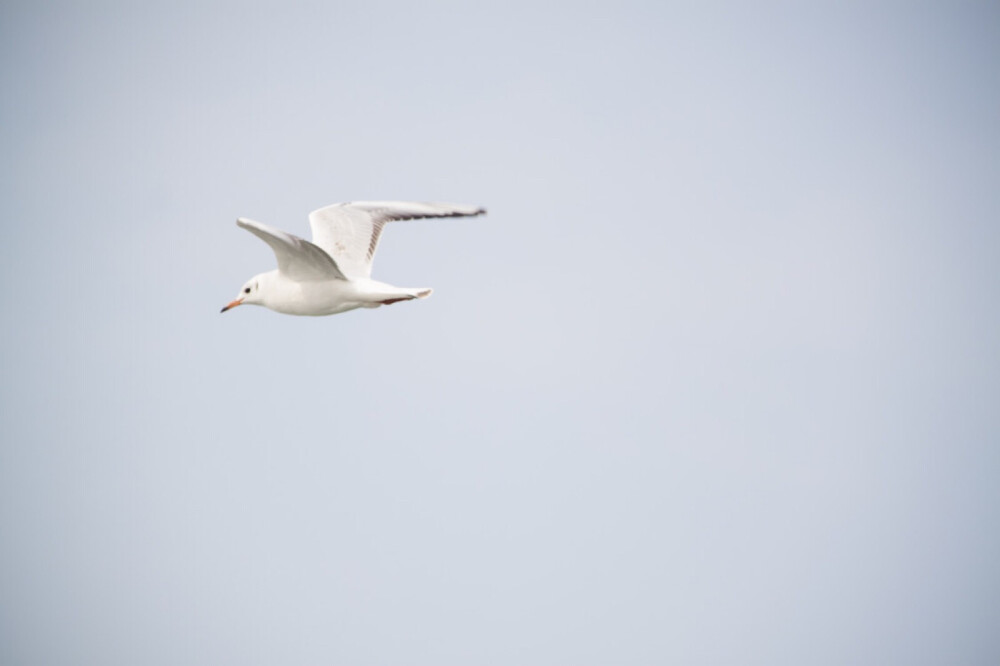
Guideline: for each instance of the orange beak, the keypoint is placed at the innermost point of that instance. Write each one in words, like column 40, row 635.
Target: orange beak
column 238, row 301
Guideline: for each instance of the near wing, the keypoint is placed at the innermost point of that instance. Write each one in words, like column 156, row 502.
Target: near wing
column 297, row 258
column 349, row 232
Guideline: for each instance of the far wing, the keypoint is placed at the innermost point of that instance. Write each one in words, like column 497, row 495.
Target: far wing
column 297, row 258
column 349, row 232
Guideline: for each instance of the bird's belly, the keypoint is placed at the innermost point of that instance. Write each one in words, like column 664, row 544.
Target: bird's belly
column 319, row 298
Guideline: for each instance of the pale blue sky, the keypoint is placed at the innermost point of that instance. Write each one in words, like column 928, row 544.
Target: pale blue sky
column 714, row 382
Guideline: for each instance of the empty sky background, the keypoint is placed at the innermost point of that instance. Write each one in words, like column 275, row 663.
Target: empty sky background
column 716, row 381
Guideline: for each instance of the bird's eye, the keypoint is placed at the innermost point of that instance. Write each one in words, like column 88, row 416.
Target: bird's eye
column 247, row 290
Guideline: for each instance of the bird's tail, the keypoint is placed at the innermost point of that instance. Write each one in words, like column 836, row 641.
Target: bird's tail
column 405, row 295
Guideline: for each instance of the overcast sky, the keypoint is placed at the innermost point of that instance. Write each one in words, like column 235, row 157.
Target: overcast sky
column 716, row 381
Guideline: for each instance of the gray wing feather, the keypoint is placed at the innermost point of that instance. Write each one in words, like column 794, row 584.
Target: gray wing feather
column 349, row 232
column 297, row 258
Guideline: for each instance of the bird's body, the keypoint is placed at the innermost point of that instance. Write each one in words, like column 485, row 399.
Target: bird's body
column 328, row 297
column 332, row 274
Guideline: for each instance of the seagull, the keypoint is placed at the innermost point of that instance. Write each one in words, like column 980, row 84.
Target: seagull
column 332, row 274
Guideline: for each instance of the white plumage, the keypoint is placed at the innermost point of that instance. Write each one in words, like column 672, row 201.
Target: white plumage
column 332, row 274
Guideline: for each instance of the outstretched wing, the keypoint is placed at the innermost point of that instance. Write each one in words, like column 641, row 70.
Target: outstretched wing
column 349, row 232
column 297, row 258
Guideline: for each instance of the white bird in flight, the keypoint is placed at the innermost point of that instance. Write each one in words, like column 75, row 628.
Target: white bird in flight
column 333, row 273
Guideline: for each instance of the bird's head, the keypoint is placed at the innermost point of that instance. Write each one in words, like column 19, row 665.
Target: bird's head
column 250, row 293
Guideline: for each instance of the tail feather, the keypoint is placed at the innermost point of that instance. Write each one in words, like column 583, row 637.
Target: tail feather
column 412, row 294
